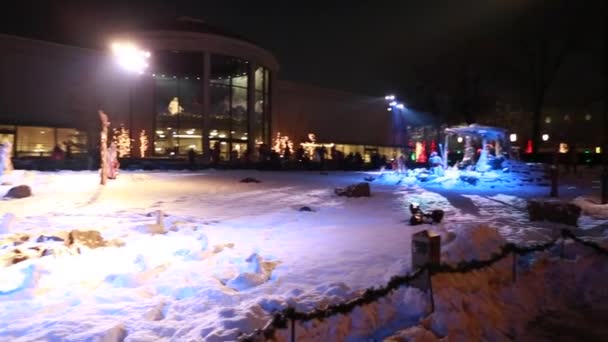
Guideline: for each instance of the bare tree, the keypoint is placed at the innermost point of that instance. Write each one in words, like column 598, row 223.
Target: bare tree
column 103, row 147
column 546, row 37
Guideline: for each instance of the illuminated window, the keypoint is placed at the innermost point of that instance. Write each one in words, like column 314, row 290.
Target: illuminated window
column 40, row 141
column 35, row 140
column 178, row 102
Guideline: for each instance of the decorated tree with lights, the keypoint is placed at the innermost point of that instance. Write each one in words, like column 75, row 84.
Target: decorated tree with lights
column 143, row 143
column 103, row 146
column 122, row 141
column 281, row 144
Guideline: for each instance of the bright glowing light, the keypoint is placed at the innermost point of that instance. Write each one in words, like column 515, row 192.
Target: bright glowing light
column 548, row 119
column 563, row 148
column 187, row 135
column 130, row 57
column 222, row 135
column 588, row 117
column 513, row 137
column 389, row 97
column 400, row 106
column 598, row 149
column 243, row 138
column 545, row 137
column 393, row 103
column 160, row 132
column 389, row 109
column 191, row 131
column 459, row 139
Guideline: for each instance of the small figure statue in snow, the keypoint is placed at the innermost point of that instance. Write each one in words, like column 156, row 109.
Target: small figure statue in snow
column 436, row 164
column 419, row 217
column 113, row 163
column 6, row 165
column 174, row 108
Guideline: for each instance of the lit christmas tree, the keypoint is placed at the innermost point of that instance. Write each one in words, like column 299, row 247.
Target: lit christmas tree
column 529, row 146
column 143, row 143
column 281, row 144
column 122, row 141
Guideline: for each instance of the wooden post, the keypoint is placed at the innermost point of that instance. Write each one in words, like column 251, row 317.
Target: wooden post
column 103, row 146
column 514, row 266
column 432, row 295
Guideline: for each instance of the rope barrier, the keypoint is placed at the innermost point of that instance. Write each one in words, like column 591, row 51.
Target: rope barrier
column 281, row 318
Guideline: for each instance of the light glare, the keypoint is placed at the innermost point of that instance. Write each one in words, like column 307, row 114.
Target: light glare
column 130, row 57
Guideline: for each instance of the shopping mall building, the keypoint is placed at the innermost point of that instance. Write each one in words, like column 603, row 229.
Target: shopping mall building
column 203, row 88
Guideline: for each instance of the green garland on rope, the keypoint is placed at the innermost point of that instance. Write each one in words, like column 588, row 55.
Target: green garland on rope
column 599, row 249
column 370, row 295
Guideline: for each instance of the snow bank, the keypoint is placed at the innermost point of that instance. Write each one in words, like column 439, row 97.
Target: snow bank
column 469, row 242
column 592, row 207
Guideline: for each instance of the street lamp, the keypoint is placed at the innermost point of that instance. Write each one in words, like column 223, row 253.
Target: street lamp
column 133, row 60
column 130, row 57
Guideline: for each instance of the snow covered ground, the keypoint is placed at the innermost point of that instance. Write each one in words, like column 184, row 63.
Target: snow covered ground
column 231, row 253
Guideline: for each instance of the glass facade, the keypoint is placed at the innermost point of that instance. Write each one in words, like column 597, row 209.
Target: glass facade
column 179, row 109
column 229, row 81
column 178, row 103
column 40, row 141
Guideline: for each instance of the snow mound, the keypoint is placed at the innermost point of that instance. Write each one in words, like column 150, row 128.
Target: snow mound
column 254, row 272
column 466, row 243
column 592, row 207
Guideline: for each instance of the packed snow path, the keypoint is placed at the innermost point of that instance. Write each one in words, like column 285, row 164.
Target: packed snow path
column 232, row 252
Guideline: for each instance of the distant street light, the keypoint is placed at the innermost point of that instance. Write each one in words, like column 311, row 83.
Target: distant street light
column 400, row 106
column 545, row 137
column 389, row 97
column 513, row 137
column 393, row 103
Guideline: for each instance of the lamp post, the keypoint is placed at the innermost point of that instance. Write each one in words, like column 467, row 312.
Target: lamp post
column 394, row 105
column 133, row 60
column 605, row 142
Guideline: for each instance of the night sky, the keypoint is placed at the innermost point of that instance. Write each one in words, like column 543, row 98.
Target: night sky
column 371, row 48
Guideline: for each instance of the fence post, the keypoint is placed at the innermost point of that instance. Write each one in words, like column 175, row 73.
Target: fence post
column 514, row 266
column 293, row 330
